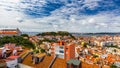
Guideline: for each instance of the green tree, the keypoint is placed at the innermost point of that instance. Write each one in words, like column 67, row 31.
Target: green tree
column 18, row 40
column 42, row 50
column 24, row 35
column 113, row 66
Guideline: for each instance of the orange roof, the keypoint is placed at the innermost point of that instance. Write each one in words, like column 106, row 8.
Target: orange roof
column 110, row 59
column 105, row 66
column 59, row 63
column 44, row 64
column 86, row 65
column 88, row 57
column 28, row 61
column 109, row 55
column 8, row 32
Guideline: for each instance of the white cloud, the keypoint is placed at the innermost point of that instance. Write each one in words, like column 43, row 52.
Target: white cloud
column 58, row 20
column 91, row 20
column 91, row 4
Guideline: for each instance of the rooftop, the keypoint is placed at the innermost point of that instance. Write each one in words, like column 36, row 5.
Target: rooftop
column 9, row 31
column 44, row 64
column 60, row 62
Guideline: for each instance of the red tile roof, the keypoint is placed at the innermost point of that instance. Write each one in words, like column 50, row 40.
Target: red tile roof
column 8, row 32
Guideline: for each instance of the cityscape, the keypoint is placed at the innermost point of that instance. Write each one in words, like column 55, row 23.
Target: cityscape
column 60, row 34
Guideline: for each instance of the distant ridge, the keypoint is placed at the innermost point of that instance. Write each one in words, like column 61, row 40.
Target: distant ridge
column 81, row 34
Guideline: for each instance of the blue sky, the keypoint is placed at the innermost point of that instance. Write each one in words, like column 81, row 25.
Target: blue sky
column 61, row 15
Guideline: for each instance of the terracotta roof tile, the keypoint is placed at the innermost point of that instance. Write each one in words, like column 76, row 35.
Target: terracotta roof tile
column 59, row 63
column 44, row 64
column 10, row 32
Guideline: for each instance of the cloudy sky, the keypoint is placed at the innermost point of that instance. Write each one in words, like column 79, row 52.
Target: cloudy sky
column 61, row 15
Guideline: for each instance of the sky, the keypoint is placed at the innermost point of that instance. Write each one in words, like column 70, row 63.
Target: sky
column 82, row 16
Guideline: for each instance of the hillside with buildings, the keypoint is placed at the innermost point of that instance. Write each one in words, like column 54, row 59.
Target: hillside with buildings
column 59, row 33
column 50, row 49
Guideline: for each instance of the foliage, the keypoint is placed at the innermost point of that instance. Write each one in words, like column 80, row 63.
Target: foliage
column 72, row 36
column 24, row 35
column 113, row 66
column 61, row 33
column 113, row 46
column 85, row 44
column 47, row 33
column 42, row 50
column 18, row 40
column 40, row 42
column 95, row 56
column 46, row 40
column 36, row 51
column 49, row 54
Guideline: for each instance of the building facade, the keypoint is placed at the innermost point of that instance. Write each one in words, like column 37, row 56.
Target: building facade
column 64, row 51
column 10, row 32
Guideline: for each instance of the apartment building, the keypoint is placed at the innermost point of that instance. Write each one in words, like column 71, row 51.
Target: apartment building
column 63, row 50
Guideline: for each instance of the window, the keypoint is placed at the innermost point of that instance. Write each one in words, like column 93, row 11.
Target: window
column 66, row 48
column 61, row 47
column 61, row 51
